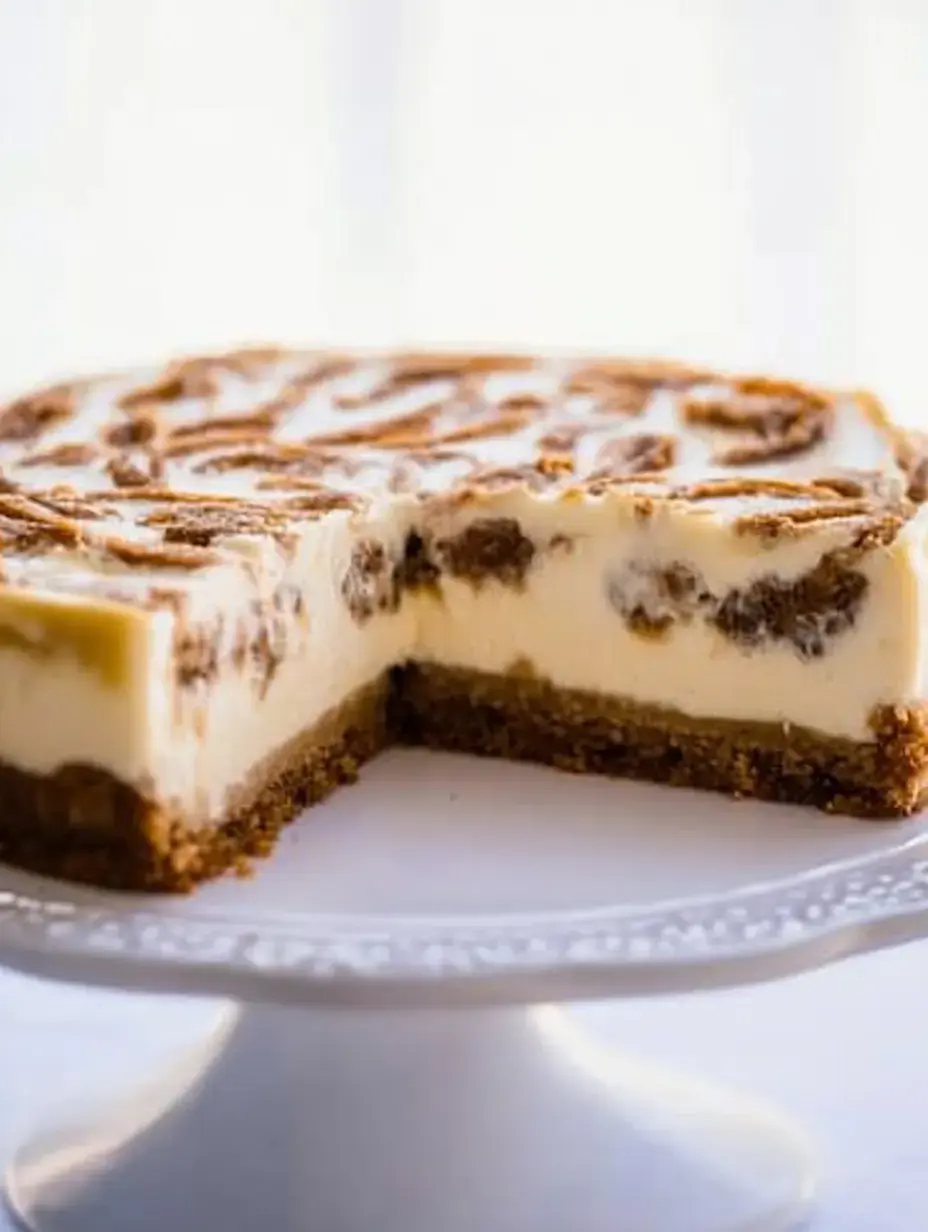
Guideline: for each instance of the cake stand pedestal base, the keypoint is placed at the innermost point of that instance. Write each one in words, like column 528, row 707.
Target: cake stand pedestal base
column 343, row 1121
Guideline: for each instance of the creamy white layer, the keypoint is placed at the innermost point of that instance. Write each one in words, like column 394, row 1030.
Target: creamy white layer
column 564, row 623
column 63, row 699
column 571, row 636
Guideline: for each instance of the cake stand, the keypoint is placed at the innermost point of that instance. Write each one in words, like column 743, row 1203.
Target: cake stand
column 393, row 1046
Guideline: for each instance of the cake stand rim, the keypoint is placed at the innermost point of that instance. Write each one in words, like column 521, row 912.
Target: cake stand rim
column 759, row 932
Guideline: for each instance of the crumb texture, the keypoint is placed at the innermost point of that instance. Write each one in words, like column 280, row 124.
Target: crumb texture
column 521, row 717
column 84, row 825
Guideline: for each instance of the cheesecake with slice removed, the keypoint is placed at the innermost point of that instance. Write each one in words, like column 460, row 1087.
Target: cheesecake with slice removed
column 228, row 582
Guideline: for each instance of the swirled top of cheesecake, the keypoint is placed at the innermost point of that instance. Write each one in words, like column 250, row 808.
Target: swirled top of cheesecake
column 109, row 483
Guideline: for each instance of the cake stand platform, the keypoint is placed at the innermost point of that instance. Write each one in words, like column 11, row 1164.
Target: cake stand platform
column 395, row 1047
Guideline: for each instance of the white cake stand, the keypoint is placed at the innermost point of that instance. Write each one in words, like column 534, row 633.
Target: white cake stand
column 396, row 1052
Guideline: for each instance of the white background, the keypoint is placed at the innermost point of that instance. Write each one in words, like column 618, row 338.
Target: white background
column 735, row 181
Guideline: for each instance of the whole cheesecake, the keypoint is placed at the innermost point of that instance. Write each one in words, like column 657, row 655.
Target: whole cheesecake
column 228, row 582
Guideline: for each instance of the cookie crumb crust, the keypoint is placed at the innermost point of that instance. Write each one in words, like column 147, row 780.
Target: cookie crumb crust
column 83, row 824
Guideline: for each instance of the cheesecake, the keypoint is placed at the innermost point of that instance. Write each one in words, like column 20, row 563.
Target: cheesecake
column 229, row 581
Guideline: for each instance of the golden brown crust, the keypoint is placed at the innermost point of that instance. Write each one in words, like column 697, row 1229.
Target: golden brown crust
column 82, row 824
column 519, row 716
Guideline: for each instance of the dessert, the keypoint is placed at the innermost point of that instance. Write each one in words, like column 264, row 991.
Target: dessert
column 228, row 582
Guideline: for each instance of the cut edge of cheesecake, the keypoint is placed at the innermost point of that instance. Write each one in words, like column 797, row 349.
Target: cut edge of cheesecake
column 82, row 824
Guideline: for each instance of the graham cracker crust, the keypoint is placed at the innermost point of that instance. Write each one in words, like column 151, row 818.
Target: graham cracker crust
column 82, row 824
column 521, row 717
